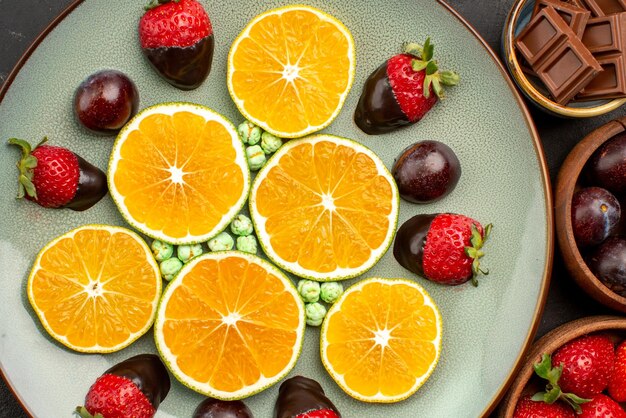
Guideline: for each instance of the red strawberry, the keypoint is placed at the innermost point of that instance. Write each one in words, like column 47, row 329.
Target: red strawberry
column 587, row 365
column 133, row 388
column 176, row 37
column 601, row 406
column 402, row 90
column 320, row 413
column 527, row 408
column 617, row 383
column 55, row 177
column 444, row 248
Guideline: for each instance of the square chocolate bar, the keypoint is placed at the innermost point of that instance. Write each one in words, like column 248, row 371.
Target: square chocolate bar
column 606, row 34
column 575, row 17
column 543, row 34
column 605, row 7
column 610, row 83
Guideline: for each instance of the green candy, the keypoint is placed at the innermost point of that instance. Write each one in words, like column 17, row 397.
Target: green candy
column 247, row 244
column 242, row 226
column 331, row 291
column 162, row 250
column 309, row 290
column 256, row 157
column 270, row 143
column 187, row 252
column 249, row 133
column 222, row 242
column 170, row 268
column 315, row 313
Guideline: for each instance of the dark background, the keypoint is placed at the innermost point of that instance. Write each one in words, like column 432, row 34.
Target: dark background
column 22, row 20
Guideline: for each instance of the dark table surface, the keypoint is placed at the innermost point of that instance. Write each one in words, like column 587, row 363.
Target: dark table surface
column 22, row 20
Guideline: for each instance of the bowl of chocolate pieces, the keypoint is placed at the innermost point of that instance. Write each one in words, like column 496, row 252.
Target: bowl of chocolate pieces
column 568, row 56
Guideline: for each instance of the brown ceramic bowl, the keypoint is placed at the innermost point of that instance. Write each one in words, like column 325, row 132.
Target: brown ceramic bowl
column 526, row 381
column 568, row 181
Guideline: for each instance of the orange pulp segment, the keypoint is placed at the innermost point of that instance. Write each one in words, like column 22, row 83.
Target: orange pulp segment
column 95, row 289
column 178, row 173
column 230, row 325
column 381, row 340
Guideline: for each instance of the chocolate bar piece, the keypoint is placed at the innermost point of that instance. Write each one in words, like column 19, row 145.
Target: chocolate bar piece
column 556, row 54
column 575, row 17
column 605, row 7
column 610, row 83
column 606, row 35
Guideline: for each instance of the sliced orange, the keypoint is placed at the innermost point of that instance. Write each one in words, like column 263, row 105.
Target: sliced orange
column 95, row 289
column 381, row 340
column 229, row 325
column 290, row 70
column 324, row 208
column 178, row 173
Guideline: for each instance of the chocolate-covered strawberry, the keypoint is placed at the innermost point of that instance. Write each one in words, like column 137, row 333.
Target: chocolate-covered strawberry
column 176, row 37
column 445, row 248
column 214, row 408
column 301, row 397
column 55, row 177
column 402, row 90
column 133, row 388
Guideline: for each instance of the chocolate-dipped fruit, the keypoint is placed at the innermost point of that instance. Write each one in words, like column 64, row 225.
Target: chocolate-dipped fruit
column 426, row 171
column 133, row 388
column 105, row 101
column 301, row 397
column 55, row 177
column 214, row 408
column 444, row 248
column 402, row 90
column 176, row 37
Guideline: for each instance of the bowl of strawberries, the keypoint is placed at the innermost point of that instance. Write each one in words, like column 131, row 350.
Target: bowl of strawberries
column 575, row 370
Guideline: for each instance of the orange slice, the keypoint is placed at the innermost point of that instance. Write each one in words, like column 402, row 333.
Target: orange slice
column 381, row 340
column 178, row 173
column 95, row 289
column 229, row 325
column 291, row 69
column 324, row 207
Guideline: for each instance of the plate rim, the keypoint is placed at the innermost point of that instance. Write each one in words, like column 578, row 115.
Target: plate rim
column 539, row 151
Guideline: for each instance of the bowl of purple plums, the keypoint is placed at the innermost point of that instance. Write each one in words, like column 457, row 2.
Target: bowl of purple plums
column 591, row 214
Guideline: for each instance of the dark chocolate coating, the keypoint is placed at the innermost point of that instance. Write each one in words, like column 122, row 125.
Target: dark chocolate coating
column 408, row 247
column 92, row 186
column 148, row 373
column 426, row 171
column 213, row 408
column 299, row 395
column 378, row 111
column 185, row 68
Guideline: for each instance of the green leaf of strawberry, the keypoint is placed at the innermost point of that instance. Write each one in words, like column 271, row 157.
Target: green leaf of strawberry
column 82, row 412
column 553, row 392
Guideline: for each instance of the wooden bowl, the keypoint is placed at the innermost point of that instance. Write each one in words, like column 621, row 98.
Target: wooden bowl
column 525, row 381
column 567, row 183
column 531, row 87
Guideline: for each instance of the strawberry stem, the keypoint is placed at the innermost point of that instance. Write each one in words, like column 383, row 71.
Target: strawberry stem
column 553, row 392
column 26, row 165
column 82, row 412
column 475, row 251
column 156, row 3
column 424, row 62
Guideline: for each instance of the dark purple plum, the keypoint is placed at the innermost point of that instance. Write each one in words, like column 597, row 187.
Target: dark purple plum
column 607, row 166
column 426, row 171
column 105, row 101
column 595, row 216
column 213, row 408
column 608, row 264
